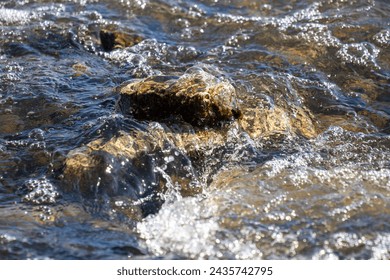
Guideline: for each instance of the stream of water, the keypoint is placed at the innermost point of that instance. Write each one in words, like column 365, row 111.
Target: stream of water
column 305, row 174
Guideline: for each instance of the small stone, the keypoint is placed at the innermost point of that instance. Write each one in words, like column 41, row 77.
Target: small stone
column 80, row 67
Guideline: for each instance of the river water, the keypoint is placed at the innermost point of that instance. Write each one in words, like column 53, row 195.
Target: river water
column 277, row 187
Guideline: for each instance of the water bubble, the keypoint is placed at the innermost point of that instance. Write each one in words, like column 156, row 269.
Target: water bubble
column 40, row 191
column 179, row 228
column 11, row 16
column 383, row 38
column 362, row 54
column 37, row 146
column 5, row 238
column 119, row 203
column 169, row 159
column 37, row 134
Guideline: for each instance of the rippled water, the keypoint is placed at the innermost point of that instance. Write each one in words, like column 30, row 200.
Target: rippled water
column 304, row 174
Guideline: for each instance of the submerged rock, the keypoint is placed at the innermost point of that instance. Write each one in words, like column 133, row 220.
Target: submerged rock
column 139, row 165
column 198, row 98
column 116, row 39
column 268, row 122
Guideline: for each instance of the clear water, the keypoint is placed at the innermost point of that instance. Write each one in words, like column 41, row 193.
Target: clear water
column 279, row 187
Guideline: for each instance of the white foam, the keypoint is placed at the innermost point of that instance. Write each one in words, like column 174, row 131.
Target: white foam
column 190, row 228
column 183, row 227
column 12, row 16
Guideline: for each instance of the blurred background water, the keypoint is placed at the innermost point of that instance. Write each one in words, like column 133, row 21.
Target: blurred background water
column 263, row 195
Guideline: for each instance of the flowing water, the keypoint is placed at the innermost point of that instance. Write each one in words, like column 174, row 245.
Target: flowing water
column 306, row 177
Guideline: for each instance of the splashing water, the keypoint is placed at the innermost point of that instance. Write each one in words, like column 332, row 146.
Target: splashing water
column 302, row 172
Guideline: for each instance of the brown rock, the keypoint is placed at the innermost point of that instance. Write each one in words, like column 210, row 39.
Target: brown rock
column 277, row 121
column 115, row 39
column 92, row 169
column 197, row 98
column 164, row 157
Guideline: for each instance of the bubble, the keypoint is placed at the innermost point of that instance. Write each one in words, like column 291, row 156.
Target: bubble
column 169, row 159
column 310, row 14
column 361, row 245
column 381, row 247
column 119, row 203
column 362, row 54
column 318, row 34
column 383, row 37
column 274, row 196
column 40, row 191
column 11, row 16
column 137, row 3
column 5, row 238
column 179, row 228
column 37, row 134
column 37, row 146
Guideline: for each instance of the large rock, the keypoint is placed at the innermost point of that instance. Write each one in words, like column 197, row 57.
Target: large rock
column 197, row 97
column 188, row 121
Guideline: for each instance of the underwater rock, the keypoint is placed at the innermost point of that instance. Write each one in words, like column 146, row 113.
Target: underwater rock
column 10, row 123
column 148, row 164
column 278, row 121
column 197, row 97
column 116, row 39
column 133, row 150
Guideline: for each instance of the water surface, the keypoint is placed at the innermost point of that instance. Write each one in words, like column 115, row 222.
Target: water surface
column 277, row 188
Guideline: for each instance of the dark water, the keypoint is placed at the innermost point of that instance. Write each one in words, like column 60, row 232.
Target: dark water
column 279, row 186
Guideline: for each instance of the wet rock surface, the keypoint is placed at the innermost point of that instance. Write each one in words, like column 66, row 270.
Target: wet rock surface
column 94, row 170
column 197, row 97
column 111, row 40
column 195, row 113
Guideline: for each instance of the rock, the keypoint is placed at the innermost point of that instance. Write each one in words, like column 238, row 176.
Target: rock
column 278, row 121
column 138, row 165
column 10, row 123
column 197, row 97
column 189, row 119
column 79, row 69
column 116, row 39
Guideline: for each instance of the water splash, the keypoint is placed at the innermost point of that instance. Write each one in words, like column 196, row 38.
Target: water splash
column 307, row 177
